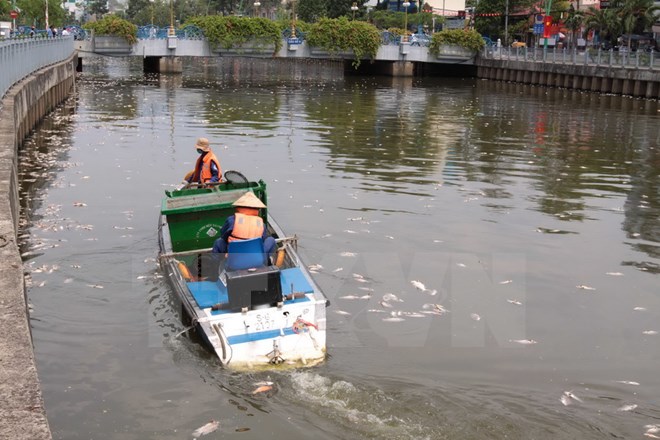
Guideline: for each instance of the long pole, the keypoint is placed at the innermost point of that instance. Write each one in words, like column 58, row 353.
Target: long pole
column 47, row 14
column 548, row 6
column 506, row 23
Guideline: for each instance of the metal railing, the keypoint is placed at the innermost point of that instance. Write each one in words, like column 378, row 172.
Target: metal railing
column 589, row 57
column 21, row 57
column 189, row 32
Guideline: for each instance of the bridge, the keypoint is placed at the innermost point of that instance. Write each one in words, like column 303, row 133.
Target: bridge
column 162, row 52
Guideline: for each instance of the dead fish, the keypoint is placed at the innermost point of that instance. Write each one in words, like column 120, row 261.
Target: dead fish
column 571, row 396
column 68, row 280
column 347, row 254
column 640, row 309
column 315, row 267
column 262, row 389
column 614, row 274
column 393, row 319
column 391, row 297
column 390, row 237
column 206, row 429
column 475, row 316
column 506, row 282
column 263, row 383
column 460, row 265
column 524, row 341
column 376, row 311
column 349, row 297
column 341, row 312
column 348, row 231
column 585, row 287
column 628, row 382
column 649, row 434
column 650, row 332
column 141, row 277
column 418, row 285
column 653, row 429
column 79, row 204
column 513, row 301
column 339, row 269
column 630, row 407
column 436, row 309
column 95, row 286
column 386, row 304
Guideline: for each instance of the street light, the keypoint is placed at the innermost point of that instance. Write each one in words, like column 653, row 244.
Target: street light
column 170, row 31
column 354, row 8
column 256, row 7
column 293, row 18
column 405, row 5
column 152, row 12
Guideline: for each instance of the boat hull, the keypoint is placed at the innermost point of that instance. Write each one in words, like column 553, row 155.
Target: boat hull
column 289, row 333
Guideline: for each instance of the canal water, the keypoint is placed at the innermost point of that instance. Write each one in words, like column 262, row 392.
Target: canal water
column 491, row 253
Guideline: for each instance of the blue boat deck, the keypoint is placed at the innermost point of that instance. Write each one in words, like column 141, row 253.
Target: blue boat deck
column 209, row 293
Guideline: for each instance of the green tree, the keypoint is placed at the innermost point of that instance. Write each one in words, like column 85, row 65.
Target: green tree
column 605, row 22
column 574, row 23
column 311, row 10
column 493, row 25
column 34, row 12
column 342, row 8
column 96, row 7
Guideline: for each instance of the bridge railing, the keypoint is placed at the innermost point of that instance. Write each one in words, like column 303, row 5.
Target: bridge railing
column 21, row 57
column 588, row 57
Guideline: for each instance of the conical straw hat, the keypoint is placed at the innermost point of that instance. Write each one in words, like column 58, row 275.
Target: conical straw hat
column 249, row 200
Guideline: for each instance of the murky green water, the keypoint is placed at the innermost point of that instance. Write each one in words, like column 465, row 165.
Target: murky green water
column 529, row 214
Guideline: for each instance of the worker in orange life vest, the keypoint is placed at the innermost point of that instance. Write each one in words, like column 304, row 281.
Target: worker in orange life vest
column 244, row 225
column 207, row 169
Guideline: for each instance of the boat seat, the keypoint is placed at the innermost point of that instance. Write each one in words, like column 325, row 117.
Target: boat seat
column 209, row 293
column 245, row 254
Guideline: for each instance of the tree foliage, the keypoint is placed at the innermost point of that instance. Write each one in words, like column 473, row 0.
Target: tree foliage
column 33, row 12
column 113, row 25
column 232, row 31
column 342, row 34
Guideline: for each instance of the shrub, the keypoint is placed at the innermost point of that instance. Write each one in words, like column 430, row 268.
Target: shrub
column 231, row 31
column 114, row 25
column 342, row 34
column 468, row 39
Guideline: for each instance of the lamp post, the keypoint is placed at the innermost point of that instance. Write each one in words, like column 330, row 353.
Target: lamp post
column 293, row 18
column 170, row 31
column 354, row 8
column 506, row 23
column 256, row 7
column 152, row 11
column 405, row 5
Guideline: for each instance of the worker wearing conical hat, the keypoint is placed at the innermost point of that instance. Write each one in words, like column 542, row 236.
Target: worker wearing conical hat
column 244, row 225
column 207, row 169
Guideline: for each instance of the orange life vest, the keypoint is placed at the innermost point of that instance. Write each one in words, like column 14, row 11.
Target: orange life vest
column 202, row 171
column 246, row 226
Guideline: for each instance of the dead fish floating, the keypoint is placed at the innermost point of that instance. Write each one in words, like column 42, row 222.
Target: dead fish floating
column 568, row 398
column 524, row 341
column 262, row 389
column 585, row 287
column 210, row 427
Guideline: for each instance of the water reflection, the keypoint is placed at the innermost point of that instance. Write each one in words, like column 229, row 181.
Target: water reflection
column 528, row 213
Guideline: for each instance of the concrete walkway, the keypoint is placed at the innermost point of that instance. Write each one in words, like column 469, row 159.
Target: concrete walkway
column 22, row 413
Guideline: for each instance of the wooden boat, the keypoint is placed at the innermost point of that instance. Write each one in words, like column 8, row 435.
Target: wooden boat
column 252, row 314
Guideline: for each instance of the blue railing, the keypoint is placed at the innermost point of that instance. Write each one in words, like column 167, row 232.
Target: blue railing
column 22, row 56
column 158, row 33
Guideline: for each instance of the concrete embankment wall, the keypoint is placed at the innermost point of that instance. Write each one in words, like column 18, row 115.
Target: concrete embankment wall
column 22, row 413
column 602, row 79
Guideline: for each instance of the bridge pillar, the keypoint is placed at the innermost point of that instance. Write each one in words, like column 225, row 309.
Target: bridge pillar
column 171, row 65
column 402, row 68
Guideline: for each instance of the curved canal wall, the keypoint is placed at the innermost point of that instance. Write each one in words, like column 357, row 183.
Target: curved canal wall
column 22, row 413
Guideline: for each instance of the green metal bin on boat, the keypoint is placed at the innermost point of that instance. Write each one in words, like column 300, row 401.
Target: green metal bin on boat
column 195, row 216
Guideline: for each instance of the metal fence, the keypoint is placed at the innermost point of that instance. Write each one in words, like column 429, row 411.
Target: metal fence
column 21, row 57
column 588, row 57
